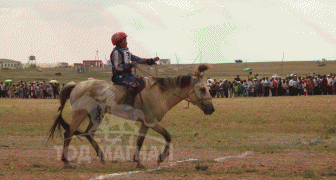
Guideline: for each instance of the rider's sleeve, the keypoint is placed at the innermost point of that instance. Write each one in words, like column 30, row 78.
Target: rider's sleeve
column 117, row 62
column 142, row 60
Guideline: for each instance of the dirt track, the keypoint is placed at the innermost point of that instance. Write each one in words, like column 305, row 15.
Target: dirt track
column 20, row 161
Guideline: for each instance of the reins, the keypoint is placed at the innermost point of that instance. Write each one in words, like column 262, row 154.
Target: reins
column 146, row 73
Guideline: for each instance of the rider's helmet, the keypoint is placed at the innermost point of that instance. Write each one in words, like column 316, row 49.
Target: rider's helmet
column 116, row 37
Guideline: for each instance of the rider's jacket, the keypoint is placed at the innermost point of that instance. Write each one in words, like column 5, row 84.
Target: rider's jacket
column 121, row 59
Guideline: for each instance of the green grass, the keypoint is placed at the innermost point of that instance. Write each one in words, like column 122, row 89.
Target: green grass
column 37, row 165
column 250, row 124
column 23, row 130
column 251, row 170
column 282, row 175
column 235, row 170
column 309, row 174
column 330, row 172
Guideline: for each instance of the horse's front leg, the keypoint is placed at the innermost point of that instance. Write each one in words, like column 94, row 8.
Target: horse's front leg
column 140, row 140
column 158, row 128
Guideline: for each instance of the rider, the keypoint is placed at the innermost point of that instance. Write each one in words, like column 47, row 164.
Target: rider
column 123, row 61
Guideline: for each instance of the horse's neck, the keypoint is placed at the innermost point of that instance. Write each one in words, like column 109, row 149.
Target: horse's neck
column 173, row 97
column 169, row 98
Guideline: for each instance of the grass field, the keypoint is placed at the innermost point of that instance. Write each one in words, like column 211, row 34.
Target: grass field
column 272, row 128
column 289, row 137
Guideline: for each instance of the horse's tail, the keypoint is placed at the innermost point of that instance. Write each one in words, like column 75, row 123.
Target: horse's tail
column 57, row 125
column 64, row 96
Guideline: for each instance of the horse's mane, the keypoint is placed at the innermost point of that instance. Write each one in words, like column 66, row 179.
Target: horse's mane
column 173, row 82
column 181, row 81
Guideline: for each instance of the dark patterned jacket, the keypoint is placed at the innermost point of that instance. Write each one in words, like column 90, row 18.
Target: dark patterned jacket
column 121, row 59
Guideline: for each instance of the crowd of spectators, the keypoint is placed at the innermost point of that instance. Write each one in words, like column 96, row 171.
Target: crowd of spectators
column 255, row 86
column 36, row 90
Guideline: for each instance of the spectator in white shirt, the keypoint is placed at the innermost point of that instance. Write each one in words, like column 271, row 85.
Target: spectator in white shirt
column 329, row 79
column 291, row 87
column 266, row 87
column 2, row 90
column 249, row 86
column 284, row 87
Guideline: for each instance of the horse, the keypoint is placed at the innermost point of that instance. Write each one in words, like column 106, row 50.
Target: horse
column 94, row 98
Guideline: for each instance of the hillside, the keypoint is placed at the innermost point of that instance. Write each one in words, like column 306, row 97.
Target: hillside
column 8, row 61
column 217, row 71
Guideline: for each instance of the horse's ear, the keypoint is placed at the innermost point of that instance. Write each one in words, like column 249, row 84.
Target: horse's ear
column 200, row 70
column 199, row 75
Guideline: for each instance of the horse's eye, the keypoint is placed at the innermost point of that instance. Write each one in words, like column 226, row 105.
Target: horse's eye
column 203, row 90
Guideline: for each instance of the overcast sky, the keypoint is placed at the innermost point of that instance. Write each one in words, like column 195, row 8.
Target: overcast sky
column 252, row 30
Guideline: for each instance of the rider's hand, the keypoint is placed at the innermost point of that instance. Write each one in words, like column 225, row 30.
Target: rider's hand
column 156, row 59
column 134, row 64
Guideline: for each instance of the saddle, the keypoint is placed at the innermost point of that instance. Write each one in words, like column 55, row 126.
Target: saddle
column 141, row 83
column 130, row 96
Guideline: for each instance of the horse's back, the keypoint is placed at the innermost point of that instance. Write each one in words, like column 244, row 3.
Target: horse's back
column 97, row 89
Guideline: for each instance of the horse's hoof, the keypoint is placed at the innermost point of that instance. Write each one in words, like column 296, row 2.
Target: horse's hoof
column 158, row 163
column 140, row 166
column 66, row 162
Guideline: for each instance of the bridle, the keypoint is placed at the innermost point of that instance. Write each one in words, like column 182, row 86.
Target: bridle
column 200, row 101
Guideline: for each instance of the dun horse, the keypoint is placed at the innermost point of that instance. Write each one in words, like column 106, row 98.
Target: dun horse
column 95, row 98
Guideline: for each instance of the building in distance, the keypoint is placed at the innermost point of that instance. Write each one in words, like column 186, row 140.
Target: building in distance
column 10, row 64
column 31, row 62
column 62, row 64
column 89, row 64
column 93, row 63
column 79, row 67
column 108, row 63
column 164, row 61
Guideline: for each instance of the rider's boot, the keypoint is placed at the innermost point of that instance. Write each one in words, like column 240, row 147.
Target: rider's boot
column 130, row 96
column 134, row 114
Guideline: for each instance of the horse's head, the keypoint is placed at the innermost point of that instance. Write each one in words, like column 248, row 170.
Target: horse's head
column 199, row 94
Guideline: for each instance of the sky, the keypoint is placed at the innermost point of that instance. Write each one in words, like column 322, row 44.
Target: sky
column 183, row 31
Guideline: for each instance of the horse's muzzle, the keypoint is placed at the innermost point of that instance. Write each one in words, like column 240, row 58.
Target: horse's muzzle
column 208, row 109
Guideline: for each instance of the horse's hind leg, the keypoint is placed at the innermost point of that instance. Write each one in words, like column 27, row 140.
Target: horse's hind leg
column 67, row 141
column 140, row 140
column 158, row 128
column 77, row 118
column 95, row 118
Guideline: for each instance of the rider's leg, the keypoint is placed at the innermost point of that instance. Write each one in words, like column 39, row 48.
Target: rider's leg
column 130, row 82
column 130, row 96
column 125, row 110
